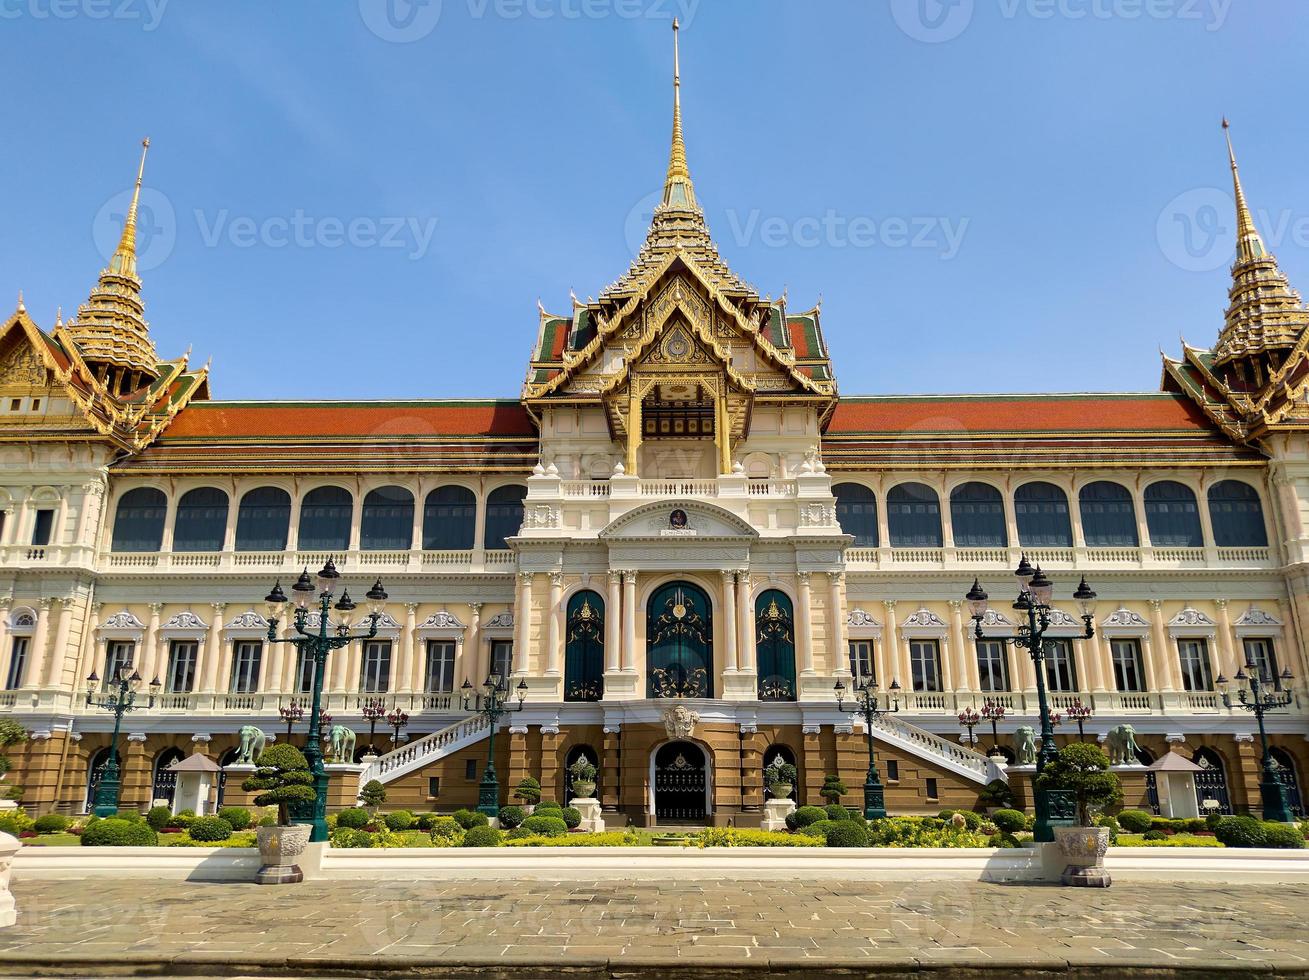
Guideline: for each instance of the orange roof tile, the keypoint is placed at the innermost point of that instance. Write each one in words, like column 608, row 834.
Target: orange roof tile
column 218, row 420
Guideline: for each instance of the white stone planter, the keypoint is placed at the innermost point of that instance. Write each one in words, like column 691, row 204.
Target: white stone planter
column 584, row 788
column 1083, row 850
column 279, row 847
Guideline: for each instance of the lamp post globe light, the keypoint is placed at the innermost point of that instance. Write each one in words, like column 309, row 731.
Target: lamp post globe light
column 117, row 694
column 970, row 719
column 374, row 710
column 317, row 643
column 495, row 705
column 1033, row 606
column 866, row 704
column 397, row 719
column 1253, row 695
column 291, row 713
column 994, row 712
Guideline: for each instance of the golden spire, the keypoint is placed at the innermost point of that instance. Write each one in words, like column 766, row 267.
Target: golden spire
column 678, row 191
column 22, row 307
column 123, row 262
column 1249, row 246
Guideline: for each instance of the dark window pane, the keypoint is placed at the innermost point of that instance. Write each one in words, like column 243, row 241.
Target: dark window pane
column 325, row 519
column 977, row 516
column 1108, row 516
column 388, row 520
column 45, row 522
column 1172, row 516
column 139, row 521
column 449, row 519
column 201, row 520
column 262, row 520
column 1237, row 515
column 504, row 516
column 856, row 512
column 913, row 516
column 1041, row 510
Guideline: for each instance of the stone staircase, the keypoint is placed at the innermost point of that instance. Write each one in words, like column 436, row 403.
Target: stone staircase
column 935, row 748
column 426, row 750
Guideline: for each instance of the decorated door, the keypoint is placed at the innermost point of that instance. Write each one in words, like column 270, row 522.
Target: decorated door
column 680, row 783
column 584, row 648
column 679, row 643
column 775, row 646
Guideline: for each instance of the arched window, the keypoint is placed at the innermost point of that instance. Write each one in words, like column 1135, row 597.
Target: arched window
column 450, row 519
column 575, row 755
column 1237, row 515
column 165, row 782
column 1041, row 510
column 1108, row 515
column 776, row 755
column 977, row 516
column 775, row 645
column 325, row 516
column 388, row 520
column 856, row 512
column 504, row 516
column 1172, row 515
column 679, row 642
column 95, row 770
column 139, row 520
column 1285, row 771
column 201, row 521
column 1211, row 781
column 228, row 758
column 913, row 516
column 584, row 649
column 262, row 520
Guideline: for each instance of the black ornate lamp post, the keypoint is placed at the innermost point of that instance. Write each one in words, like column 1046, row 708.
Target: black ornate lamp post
column 291, row 713
column 397, row 719
column 970, row 719
column 1033, row 604
column 994, row 712
column 117, row 694
column 1079, row 713
column 374, row 711
column 318, row 643
column 866, row 704
column 495, row 704
column 1252, row 695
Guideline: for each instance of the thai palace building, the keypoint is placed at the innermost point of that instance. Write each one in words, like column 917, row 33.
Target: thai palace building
column 679, row 538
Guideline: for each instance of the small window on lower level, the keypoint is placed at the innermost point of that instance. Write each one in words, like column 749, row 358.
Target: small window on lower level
column 15, row 404
column 36, row 404
column 892, row 770
column 470, row 769
column 931, row 787
column 433, row 786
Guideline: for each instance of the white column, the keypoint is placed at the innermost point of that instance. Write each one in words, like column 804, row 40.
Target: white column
column 522, row 623
column 964, row 679
column 1166, row 667
column 170, row 520
column 86, row 650
column 555, row 614
column 213, row 647
column 613, row 623
column 836, row 626
column 472, row 648
column 356, row 516
column 40, row 638
column 804, row 623
column 411, row 657
column 6, row 602
column 629, row 621
column 274, row 667
column 293, row 522
column 729, row 622
column 745, row 648
column 886, row 655
column 1225, row 641
column 59, row 652
column 148, row 663
column 1099, row 662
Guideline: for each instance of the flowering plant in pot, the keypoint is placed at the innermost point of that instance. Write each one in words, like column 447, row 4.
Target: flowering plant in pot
column 281, row 778
column 1081, row 770
column 583, row 774
column 780, row 777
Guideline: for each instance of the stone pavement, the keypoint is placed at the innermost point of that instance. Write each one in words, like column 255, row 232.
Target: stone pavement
column 622, row 928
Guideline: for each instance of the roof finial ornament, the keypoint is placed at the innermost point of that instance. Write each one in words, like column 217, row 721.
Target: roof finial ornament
column 123, row 262
column 22, row 308
column 59, row 316
column 1249, row 246
column 677, row 185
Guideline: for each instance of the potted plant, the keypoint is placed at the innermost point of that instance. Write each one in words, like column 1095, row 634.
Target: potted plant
column 1081, row 770
column 583, row 774
column 780, row 777
column 281, row 777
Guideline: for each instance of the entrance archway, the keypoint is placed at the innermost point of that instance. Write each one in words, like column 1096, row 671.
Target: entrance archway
column 679, row 642
column 1284, row 767
column 679, row 777
column 93, row 773
column 165, row 782
column 576, row 753
column 1211, row 781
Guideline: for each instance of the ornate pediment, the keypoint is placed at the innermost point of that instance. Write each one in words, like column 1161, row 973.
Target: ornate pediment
column 678, row 520
column 862, row 618
column 1123, row 618
column 1191, row 618
column 124, row 620
column 1254, row 616
column 185, row 622
column 501, row 620
column 923, row 619
column 248, row 620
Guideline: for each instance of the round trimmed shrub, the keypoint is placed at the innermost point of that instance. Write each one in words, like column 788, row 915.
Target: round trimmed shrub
column 518, row 833
column 159, row 817
column 426, row 821
column 446, row 828
column 1241, row 832
column 512, row 817
column 792, row 822
column 547, row 805
column 546, row 825
column 1154, row 835
column 116, row 832
column 1135, row 821
column 482, row 837
column 1275, row 835
column 572, row 817
column 468, row 819
column 182, row 818
column 51, row 823
column 806, row 815
column 846, row 833
column 210, row 829
column 16, row 822
column 399, row 820
column 237, row 816
column 973, row 821
column 835, row 811
column 351, row 839
column 353, row 819
column 1010, row 821
column 819, row 828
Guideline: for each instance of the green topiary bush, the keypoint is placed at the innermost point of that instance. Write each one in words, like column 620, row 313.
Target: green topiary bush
column 237, row 816
column 528, row 790
column 545, row 825
column 425, row 821
column 518, row 833
column 281, row 779
column 547, row 805
column 482, row 837
column 399, row 820
column 182, row 818
column 373, row 794
column 1241, row 832
column 1134, row 821
column 819, row 828
column 572, row 816
column 16, row 822
column 973, row 821
column 835, row 811
column 350, row 838
column 446, row 828
column 846, row 833
column 1275, row 835
column 833, row 789
column 51, row 823
column 806, row 815
column 1154, row 835
column 210, row 829
column 512, row 817
column 353, row 819
column 159, row 817
column 116, row 832
column 1009, row 821
column 468, row 819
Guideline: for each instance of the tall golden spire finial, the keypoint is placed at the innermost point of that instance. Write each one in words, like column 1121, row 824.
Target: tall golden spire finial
column 1249, row 246
column 677, row 185
column 123, row 262
column 22, row 307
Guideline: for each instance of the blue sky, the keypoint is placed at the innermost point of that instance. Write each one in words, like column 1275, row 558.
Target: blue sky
column 989, row 195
